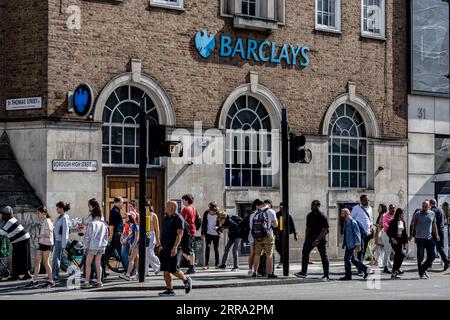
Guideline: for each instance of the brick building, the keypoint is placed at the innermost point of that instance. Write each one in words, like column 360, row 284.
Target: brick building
column 346, row 92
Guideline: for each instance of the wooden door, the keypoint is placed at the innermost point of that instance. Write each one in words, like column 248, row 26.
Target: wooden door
column 128, row 189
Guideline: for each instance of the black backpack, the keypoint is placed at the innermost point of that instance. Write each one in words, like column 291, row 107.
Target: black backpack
column 260, row 227
column 198, row 220
column 186, row 233
column 235, row 225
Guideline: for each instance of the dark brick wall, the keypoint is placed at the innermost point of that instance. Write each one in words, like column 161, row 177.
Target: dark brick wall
column 23, row 54
column 163, row 39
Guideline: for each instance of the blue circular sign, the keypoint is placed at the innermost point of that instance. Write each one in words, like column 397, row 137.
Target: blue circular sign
column 83, row 100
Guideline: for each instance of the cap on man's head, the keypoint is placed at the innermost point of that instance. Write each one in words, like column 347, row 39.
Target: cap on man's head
column 391, row 206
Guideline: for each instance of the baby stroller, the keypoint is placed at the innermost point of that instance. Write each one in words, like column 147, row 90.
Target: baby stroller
column 74, row 251
column 4, row 253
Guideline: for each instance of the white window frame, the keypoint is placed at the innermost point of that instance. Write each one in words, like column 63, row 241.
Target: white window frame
column 177, row 5
column 337, row 13
column 382, row 34
column 257, row 8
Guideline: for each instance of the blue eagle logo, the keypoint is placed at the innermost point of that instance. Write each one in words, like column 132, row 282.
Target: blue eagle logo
column 204, row 43
column 81, row 99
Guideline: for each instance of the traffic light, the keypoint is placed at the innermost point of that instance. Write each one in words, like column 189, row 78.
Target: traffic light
column 159, row 147
column 297, row 151
column 156, row 141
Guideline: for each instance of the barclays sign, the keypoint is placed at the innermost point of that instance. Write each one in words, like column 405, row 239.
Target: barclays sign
column 250, row 49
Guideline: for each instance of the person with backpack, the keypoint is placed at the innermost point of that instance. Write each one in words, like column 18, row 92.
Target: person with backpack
column 61, row 236
column 233, row 223
column 174, row 232
column 190, row 214
column 95, row 241
column 45, row 241
column 352, row 243
column 209, row 231
column 261, row 226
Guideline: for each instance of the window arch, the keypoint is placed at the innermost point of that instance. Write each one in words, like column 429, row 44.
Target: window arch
column 120, row 144
column 248, row 144
column 347, row 159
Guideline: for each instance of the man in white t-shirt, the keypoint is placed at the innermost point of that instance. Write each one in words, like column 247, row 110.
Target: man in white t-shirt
column 362, row 213
column 261, row 229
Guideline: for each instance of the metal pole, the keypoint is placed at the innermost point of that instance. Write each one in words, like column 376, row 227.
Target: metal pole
column 285, row 190
column 142, row 187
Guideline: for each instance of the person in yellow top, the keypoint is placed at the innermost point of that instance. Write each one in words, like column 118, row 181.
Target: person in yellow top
column 152, row 241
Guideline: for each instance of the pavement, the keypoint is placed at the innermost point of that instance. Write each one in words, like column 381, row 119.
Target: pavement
column 216, row 278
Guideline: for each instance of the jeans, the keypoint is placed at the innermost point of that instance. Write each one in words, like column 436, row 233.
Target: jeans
column 235, row 243
column 349, row 258
column 440, row 245
column 126, row 258
column 398, row 257
column 322, row 247
column 58, row 260
column 430, row 246
column 215, row 239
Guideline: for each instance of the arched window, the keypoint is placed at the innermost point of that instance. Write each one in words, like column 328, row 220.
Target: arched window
column 347, row 160
column 121, row 125
column 248, row 144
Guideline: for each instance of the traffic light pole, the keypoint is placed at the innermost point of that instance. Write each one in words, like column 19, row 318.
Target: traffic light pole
column 142, row 188
column 285, row 189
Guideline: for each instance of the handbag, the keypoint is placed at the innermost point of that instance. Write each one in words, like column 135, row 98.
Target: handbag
column 379, row 237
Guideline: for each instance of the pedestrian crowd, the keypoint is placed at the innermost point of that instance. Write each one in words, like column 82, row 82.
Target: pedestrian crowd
column 382, row 241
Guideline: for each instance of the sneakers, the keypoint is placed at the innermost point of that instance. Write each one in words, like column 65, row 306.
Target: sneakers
column 167, row 293
column 395, row 275
column 222, row 266
column 250, row 272
column 279, row 266
column 300, row 275
column 272, row 276
column 366, row 273
column 27, row 276
column 218, row 267
column 157, row 271
column 191, row 270
column 85, row 285
column 254, row 275
column 386, row 270
column 426, row 274
column 98, row 285
column 235, row 269
column 49, row 284
column 32, row 285
column 188, row 285
column 206, row 267
column 124, row 276
column 360, row 273
column 423, row 277
column 325, row 278
column 446, row 265
column 345, row 278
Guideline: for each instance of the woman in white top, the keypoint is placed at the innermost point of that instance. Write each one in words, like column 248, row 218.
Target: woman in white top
column 210, row 223
column 45, row 241
column 95, row 241
column 152, row 240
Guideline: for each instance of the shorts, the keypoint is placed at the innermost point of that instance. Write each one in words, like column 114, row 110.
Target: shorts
column 44, row 247
column 189, row 247
column 168, row 263
column 267, row 243
column 96, row 251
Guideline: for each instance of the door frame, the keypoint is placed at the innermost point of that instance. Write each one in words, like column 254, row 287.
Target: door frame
column 158, row 173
